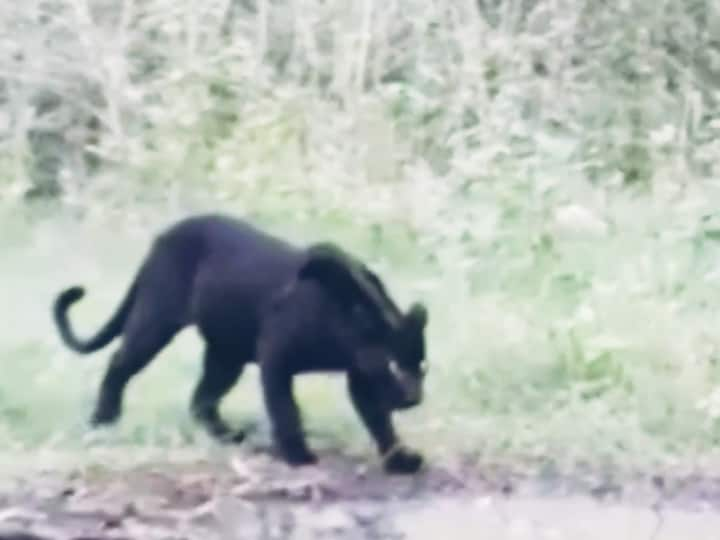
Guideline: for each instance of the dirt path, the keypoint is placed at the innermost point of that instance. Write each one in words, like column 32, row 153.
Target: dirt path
column 341, row 500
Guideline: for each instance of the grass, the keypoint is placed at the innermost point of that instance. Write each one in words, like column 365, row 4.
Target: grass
column 542, row 174
column 550, row 339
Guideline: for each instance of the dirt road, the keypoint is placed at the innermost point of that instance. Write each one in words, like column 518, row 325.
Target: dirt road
column 341, row 500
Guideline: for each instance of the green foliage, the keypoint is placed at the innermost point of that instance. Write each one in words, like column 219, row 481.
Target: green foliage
column 161, row 91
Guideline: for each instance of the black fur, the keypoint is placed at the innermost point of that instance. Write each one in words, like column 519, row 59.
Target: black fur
column 255, row 298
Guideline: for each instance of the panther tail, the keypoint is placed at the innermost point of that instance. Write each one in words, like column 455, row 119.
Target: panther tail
column 105, row 335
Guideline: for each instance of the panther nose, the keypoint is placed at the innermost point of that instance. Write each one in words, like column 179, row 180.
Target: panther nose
column 411, row 397
column 407, row 404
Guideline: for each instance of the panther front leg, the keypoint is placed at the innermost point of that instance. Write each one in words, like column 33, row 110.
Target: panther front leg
column 397, row 458
column 284, row 414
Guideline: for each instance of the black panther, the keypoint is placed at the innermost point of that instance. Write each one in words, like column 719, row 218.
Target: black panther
column 256, row 298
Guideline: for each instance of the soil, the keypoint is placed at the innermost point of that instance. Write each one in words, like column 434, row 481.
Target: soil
column 342, row 499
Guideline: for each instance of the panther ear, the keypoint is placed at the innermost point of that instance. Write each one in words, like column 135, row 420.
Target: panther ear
column 417, row 315
column 347, row 281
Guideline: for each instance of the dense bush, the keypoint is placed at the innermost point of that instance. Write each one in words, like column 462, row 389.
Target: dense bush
column 235, row 91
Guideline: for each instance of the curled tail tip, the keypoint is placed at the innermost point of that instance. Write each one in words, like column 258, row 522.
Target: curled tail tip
column 62, row 303
column 71, row 295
